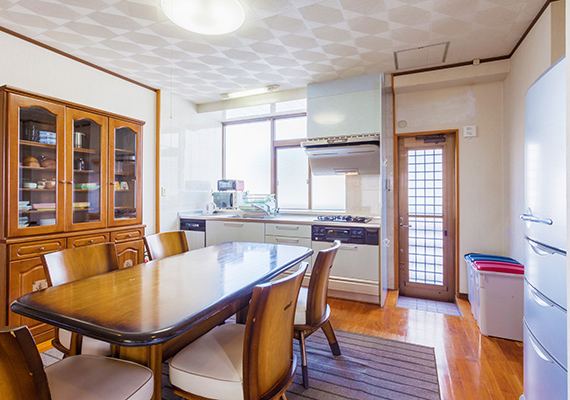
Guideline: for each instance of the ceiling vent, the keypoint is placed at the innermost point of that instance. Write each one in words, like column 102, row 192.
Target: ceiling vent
column 421, row 57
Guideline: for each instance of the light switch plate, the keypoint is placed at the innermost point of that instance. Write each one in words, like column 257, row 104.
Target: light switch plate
column 470, row 131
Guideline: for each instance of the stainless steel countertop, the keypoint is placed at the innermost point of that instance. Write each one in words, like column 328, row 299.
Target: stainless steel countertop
column 285, row 218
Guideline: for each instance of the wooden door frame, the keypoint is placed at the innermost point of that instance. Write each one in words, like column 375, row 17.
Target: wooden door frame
column 397, row 203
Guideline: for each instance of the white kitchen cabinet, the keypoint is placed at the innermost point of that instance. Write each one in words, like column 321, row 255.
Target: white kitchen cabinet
column 355, row 261
column 291, row 234
column 230, row 231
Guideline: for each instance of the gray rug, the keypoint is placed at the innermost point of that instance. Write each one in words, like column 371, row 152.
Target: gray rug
column 369, row 368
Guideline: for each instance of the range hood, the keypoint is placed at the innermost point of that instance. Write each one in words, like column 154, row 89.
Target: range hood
column 344, row 155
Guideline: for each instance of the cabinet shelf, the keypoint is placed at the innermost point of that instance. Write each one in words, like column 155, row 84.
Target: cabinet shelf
column 122, row 173
column 124, row 151
column 36, row 211
column 37, row 144
column 83, row 171
column 36, row 190
column 85, row 190
column 25, row 167
column 84, row 150
column 124, row 208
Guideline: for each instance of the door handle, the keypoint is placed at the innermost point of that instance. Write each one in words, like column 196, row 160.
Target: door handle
column 536, row 297
column 405, row 226
column 543, row 249
column 538, row 220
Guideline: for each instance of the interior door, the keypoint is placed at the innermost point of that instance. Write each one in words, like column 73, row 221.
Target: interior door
column 427, row 214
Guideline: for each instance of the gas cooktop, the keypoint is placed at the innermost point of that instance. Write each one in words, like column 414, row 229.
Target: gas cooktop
column 343, row 218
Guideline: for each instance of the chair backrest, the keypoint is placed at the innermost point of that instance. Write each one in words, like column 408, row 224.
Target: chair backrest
column 22, row 374
column 319, row 285
column 79, row 263
column 165, row 244
column 269, row 363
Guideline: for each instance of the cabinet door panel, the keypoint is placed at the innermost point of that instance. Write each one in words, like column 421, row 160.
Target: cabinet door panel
column 125, row 173
column 36, row 169
column 228, row 231
column 86, row 194
column 26, row 276
column 130, row 253
column 35, row 249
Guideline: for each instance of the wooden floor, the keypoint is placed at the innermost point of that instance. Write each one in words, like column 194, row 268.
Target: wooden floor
column 470, row 365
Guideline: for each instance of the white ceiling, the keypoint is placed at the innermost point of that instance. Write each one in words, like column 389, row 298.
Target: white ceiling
column 287, row 42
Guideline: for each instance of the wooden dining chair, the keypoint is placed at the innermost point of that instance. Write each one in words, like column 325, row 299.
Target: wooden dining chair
column 246, row 362
column 22, row 374
column 313, row 312
column 71, row 265
column 165, row 244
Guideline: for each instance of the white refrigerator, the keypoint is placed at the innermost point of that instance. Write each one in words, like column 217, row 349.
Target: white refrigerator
column 545, row 345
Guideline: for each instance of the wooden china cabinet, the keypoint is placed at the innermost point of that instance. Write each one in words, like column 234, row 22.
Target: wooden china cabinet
column 71, row 176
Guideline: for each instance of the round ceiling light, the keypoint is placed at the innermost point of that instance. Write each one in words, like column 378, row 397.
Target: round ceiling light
column 206, row 17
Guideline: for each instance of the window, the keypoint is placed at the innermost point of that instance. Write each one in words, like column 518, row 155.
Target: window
column 267, row 155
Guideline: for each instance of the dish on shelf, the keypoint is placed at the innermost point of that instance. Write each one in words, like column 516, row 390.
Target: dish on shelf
column 23, row 203
column 44, row 206
column 90, row 186
column 30, row 185
column 30, row 161
column 47, row 221
column 81, row 205
column 24, row 208
column 23, row 225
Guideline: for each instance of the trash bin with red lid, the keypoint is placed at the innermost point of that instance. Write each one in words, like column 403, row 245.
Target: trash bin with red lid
column 498, row 301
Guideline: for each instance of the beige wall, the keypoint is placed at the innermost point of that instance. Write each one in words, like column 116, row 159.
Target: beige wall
column 480, row 169
column 190, row 158
column 538, row 51
column 35, row 69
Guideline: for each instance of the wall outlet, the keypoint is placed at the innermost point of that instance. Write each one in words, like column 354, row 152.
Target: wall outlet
column 163, row 192
column 470, row 131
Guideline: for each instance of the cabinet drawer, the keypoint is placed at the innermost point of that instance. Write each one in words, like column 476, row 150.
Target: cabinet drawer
column 300, row 231
column 125, row 236
column 26, row 250
column 288, row 240
column 81, row 241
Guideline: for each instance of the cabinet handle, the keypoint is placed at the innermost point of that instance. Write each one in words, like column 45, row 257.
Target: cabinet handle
column 70, row 182
column 42, row 248
column 234, row 224
column 351, row 248
column 287, row 227
column 287, row 240
column 62, row 181
column 130, row 235
column 91, row 241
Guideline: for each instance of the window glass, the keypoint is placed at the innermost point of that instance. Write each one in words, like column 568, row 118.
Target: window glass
column 291, row 106
column 292, row 178
column 291, row 128
column 248, row 155
column 329, row 192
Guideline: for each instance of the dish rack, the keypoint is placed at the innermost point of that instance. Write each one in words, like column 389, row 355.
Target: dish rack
column 258, row 202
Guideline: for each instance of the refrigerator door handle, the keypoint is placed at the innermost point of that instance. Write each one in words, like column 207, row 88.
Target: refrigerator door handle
column 536, row 297
column 542, row 249
column 538, row 350
column 538, row 220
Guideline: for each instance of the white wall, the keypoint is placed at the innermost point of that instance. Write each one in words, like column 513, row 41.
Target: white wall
column 33, row 68
column 190, row 158
column 481, row 177
column 531, row 59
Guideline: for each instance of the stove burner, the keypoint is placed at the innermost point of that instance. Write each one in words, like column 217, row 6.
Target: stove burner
column 343, row 218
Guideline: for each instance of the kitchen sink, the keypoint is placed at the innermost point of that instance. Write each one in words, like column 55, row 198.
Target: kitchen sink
column 251, row 216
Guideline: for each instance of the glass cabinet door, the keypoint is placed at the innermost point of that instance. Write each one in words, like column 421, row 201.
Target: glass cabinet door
column 125, row 165
column 87, row 167
column 36, row 166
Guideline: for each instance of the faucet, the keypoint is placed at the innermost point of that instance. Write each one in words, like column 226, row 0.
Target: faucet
column 267, row 210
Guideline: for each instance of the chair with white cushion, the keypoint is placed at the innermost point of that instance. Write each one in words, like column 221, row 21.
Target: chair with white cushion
column 313, row 312
column 22, row 375
column 70, row 265
column 244, row 362
column 165, row 244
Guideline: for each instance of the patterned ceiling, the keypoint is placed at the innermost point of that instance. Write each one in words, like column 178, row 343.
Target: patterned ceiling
column 287, row 42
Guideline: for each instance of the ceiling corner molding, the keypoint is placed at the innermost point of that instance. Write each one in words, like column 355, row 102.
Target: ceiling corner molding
column 257, row 100
column 77, row 59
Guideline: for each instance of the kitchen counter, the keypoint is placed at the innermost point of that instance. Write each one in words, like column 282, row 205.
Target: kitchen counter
column 281, row 218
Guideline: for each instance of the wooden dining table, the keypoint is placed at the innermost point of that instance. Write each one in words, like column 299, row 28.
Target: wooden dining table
column 152, row 310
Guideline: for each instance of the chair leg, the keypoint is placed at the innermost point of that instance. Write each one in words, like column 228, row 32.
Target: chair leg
column 304, row 368
column 329, row 333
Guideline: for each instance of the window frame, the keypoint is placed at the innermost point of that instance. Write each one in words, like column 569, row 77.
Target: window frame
column 275, row 145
